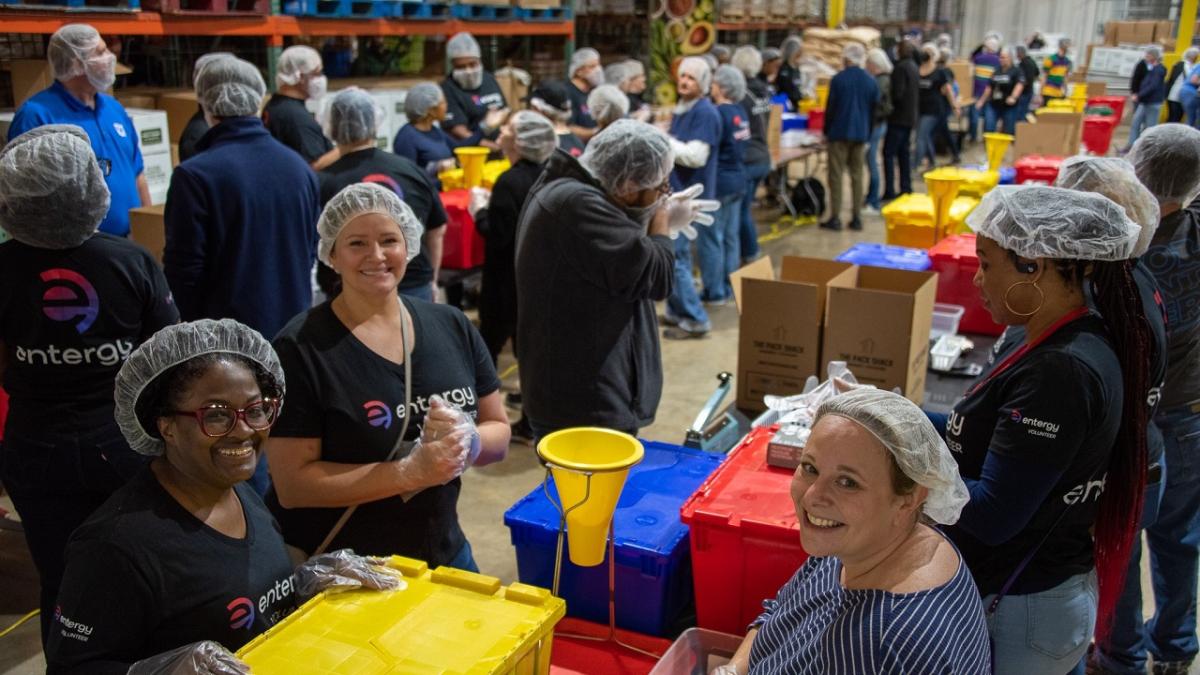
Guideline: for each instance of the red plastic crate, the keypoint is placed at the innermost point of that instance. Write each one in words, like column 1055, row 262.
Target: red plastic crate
column 1098, row 132
column 462, row 247
column 1037, row 167
column 816, row 120
column 955, row 262
column 1117, row 103
column 745, row 537
column 573, row 656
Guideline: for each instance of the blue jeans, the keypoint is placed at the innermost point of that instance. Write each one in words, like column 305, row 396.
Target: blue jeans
column 464, row 559
column 718, row 250
column 422, row 292
column 925, row 127
column 748, row 230
column 1145, row 115
column 684, row 303
column 1191, row 108
column 1006, row 116
column 973, row 116
column 1046, row 632
column 873, row 165
column 1023, row 104
column 896, row 142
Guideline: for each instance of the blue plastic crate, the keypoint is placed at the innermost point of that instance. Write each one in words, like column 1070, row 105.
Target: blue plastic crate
column 339, row 9
column 1008, row 175
column 883, row 255
column 468, row 12
column 653, row 570
column 86, row 5
column 794, row 121
column 547, row 14
column 427, row 11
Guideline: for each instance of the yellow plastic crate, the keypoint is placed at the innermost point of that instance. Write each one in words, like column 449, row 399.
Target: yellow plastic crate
column 453, row 179
column 446, row 622
column 909, row 219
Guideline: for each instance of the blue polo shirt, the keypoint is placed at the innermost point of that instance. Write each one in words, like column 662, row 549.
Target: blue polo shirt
column 114, row 140
column 701, row 123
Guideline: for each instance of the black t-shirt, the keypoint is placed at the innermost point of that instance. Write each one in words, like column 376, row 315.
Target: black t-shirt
column 1057, row 409
column 192, row 133
column 1004, row 82
column 145, row 576
column 581, row 116
column 291, row 124
column 352, row 399
column 373, row 165
column 68, row 319
column 931, row 100
column 1029, row 68
column 470, row 107
column 758, row 107
column 571, row 143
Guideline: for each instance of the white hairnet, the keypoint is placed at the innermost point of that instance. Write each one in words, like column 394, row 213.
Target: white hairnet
column 206, row 59
column 635, row 67
column 628, row 156
column 1166, row 159
column 461, row 46
column 1035, row 221
column 879, row 61
column 353, row 117
column 359, row 199
column 789, row 48
column 992, row 44
column 857, row 54
column 534, row 136
column 711, row 61
column 230, row 88
column 1155, row 51
column 731, row 81
column 69, row 47
column 581, row 58
column 747, row 59
column 1190, row 54
column 698, row 69
column 52, row 192
column 920, row 453
column 771, row 53
column 421, row 99
column 607, row 104
column 295, row 62
column 1114, row 178
column 170, row 347
column 616, row 73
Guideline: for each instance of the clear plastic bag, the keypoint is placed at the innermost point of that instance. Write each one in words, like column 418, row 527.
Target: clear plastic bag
column 198, row 658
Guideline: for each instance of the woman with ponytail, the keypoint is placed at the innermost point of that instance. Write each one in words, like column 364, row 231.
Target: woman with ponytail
column 1051, row 439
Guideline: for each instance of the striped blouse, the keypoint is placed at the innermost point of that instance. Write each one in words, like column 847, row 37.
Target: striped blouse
column 815, row 625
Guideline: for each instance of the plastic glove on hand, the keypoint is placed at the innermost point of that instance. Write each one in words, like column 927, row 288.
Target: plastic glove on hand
column 446, row 418
column 198, row 658
column 479, row 200
column 683, row 209
column 494, row 118
column 344, row 570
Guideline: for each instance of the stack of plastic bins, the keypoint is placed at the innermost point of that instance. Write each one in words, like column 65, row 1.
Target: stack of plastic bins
column 745, row 536
column 909, row 219
column 956, row 263
column 653, row 574
column 883, row 255
column 1037, row 168
column 1098, row 132
column 462, row 247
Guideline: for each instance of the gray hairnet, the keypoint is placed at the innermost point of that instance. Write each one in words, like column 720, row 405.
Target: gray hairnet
column 616, row 73
column 206, row 59
column 607, row 104
column 1190, row 54
column 920, row 453
column 353, row 117
column 295, row 62
column 1114, row 178
column 710, row 60
column 748, row 60
column 1155, row 51
column 789, row 48
column 879, row 61
column 720, row 51
column 628, row 156
column 462, row 46
column 534, row 135
column 731, row 81
column 171, row 346
column 1166, row 159
column 69, row 47
column 857, row 54
column 52, row 192
column 361, row 198
column 230, row 88
column 698, row 69
column 1035, row 221
column 771, row 54
column 581, row 58
column 421, row 99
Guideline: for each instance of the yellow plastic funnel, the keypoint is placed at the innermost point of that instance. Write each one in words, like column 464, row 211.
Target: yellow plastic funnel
column 997, row 145
column 471, row 158
column 603, row 458
column 943, row 188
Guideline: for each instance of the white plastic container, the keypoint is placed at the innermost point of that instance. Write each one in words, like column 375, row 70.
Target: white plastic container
column 697, row 650
column 945, row 319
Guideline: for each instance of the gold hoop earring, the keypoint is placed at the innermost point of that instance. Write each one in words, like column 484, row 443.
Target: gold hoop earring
column 1041, row 298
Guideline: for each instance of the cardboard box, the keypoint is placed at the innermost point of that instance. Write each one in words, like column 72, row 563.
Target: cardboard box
column 29, row 76
column 1110, row 33
column 146, row 228
column 779, row 337
column 514, row 83
column 179, row 106
column 1135, row 32
column 158, row 175
column 1165, row 31
column 1095, row 89
column 143, row 101
column 775, row 130
column 786, row 447
column 880, row 328
column 1054, row 135
column 1068, row 126
column 964, row 77
column 151, row 126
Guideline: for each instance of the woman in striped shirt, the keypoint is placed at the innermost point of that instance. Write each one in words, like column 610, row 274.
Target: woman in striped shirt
column 884, row 592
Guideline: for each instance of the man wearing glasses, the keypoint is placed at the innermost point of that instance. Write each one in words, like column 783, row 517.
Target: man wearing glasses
column 83, row 70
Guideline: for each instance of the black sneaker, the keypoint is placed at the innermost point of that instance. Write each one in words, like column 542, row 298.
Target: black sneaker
column 856, row 225
column 522, row 432
column 513, row 399
column 679, row 333
column 832, row 224
column 1172, row 668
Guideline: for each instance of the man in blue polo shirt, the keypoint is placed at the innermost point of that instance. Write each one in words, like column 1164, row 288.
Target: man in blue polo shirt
column 83, row 68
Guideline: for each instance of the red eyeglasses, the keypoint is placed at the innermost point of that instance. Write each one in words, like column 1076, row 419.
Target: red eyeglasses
column 218, row 420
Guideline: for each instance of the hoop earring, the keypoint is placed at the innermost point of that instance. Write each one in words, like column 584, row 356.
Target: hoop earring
column 1041, row 298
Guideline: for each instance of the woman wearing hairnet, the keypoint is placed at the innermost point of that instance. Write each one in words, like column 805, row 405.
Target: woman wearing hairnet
column 756, row 105
column 425, row 142
column 74, row 303
column 473, row 96
column 1051, row 439
column 883, row 590
column 345, row 438
column 184, row 565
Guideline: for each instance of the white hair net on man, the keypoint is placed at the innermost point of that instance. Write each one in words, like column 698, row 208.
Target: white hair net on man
column 1166, row 159
column 295, row 62
column 533, row 136
column 462, row 46
column 360, row 199
column 581, row 58
column 1036, row 221
column 353, row 117
column 856, row 54
column 206, row 59
column 878, row 59
column 747, row 59
column 607, row 104
column 69, row 47
column 697, row 68
column 230, row 88
column 52, row 192
column 920, row 453
column 616, row 73
column 628, row 156
column 790, row 47
column 169, row 347
column 731, row 81
column 421, row 99
column 1114, row 178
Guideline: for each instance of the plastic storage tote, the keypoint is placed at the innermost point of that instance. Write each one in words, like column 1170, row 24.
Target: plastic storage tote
column 745, row 536
column 909, row 219
column 462, row 246
column 1117, row 103
column 698, row 651
column 1038, row 168
column 582, row 656
column 653, row 575
column 816, row 120
column 883, row 255
column 1098, row 133
column 445, row 621
column 955, row 262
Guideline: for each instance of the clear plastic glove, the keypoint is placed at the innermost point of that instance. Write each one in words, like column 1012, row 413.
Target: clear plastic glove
column 448, row 164
column 479, row 200
column 343, row 570
column 433, row 463
column 494, row 118
column 727, row 669
column 683, row 209
column 446, row 419
column 198, row 658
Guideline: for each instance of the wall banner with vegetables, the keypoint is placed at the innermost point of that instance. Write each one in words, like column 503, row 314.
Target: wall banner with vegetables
column 678, row 28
